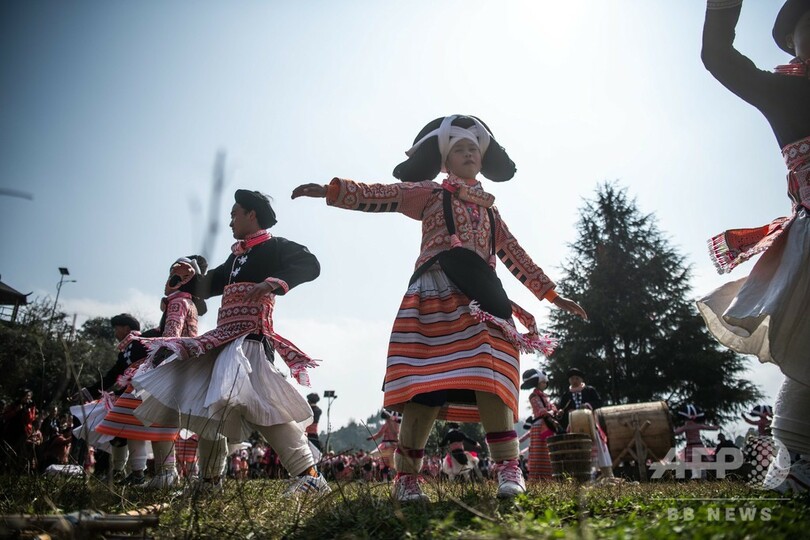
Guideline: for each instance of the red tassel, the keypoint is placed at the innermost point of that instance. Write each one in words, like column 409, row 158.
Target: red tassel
column 492, row 261
column 454, row 241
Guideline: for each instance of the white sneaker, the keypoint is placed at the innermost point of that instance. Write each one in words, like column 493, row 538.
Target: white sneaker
column 406, row 488
column 307, row 485
column 510, row 479
column 164, row 480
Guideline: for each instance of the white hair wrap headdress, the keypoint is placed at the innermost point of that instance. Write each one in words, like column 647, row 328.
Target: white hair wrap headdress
column 447, row 135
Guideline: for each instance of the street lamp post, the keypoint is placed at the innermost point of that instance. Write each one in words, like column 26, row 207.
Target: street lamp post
column 331, row 396
column 63, row 272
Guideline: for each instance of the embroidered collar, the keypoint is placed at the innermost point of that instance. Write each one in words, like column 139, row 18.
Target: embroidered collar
column 796, row 68
column 124, row 343
column 453, row 182
column 470, row 193
column 242, row 246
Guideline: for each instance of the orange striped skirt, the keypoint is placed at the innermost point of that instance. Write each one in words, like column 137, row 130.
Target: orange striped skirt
column 539, row 457
column 437, row 345
column 120, row 422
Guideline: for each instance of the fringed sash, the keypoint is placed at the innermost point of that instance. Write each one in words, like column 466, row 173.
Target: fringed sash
column 735, row 246
column 237, row 318
column 530, row 342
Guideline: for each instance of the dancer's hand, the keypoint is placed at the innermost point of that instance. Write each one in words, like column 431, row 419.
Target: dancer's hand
column 258, row 291
column 309, row 190
column 570, row 306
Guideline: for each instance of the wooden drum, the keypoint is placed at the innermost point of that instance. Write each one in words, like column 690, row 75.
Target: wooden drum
column 619, row 423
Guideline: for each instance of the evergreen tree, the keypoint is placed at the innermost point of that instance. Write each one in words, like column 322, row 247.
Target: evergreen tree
column 645, row 340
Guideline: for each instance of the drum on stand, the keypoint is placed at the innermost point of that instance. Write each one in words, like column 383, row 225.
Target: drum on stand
column 619, row 422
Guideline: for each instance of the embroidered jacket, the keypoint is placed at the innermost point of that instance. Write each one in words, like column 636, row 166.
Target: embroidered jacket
column 571, row 401
column 422, row 201
column 541, row 404
column 275, row 260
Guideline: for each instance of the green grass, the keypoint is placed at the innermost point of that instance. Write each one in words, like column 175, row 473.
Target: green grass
column 255, row 509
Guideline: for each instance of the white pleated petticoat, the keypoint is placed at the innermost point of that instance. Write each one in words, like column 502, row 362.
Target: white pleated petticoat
column 229, row 391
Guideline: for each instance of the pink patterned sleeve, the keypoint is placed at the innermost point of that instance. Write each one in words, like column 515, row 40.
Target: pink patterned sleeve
column 176, row 313
column 519, row 263
column 538, row 409
column 409, row 198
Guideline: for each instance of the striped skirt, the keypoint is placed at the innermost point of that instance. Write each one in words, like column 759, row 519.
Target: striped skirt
column 121, row 422
column 437, row 345
column 539, row 457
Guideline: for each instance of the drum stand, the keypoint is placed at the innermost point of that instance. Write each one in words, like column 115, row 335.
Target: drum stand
column 637, row 448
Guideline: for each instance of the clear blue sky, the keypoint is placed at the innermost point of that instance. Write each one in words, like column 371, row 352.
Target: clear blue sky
column 111, row 114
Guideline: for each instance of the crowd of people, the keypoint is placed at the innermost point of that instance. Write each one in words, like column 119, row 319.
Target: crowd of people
column 34, row 439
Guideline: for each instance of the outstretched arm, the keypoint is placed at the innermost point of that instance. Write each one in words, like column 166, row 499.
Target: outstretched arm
column 409, row 198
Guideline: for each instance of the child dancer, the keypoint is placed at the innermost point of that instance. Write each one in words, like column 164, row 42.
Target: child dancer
column 542, row 424
column 388, row 435
column 764, row 415
column 691, row 430
column 181, row 307
column 454, row 349
column 765, row 313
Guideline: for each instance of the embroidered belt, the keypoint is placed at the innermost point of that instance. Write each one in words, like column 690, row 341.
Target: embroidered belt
column 238, row 318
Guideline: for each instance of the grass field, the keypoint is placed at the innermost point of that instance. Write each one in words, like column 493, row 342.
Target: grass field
column 255, row 509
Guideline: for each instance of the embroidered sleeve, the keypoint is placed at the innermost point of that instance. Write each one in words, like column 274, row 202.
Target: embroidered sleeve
column 732, row 69
column 176, row 314
column 538, row 409
column 279, row 284
column 409, row 198
column 519, row 263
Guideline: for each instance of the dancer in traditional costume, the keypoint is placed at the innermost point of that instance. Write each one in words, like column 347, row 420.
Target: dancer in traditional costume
column 223, row 384
column 583, row 397
column 454, row 349
column 762, row 418
column 458, row 462
column 543, row 424
column 181, row 308
column 691, row 429
column 102, row 414
column 766, row 313
column 388, row 434
column 312, row 429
